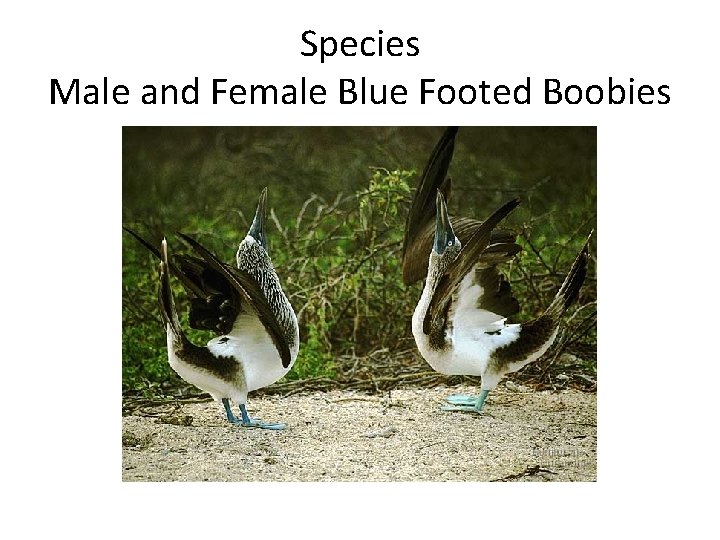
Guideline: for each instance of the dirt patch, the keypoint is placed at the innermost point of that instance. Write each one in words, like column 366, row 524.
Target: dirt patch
column 351, row 436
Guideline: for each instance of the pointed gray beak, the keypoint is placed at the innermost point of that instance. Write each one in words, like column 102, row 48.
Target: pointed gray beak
column 444, row 234
column 257, row 229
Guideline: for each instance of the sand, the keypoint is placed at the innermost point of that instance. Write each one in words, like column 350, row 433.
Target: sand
column 400, row 435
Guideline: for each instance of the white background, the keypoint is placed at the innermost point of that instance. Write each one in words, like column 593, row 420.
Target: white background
column 60, row 212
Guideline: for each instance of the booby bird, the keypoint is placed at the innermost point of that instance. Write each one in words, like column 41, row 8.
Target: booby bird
column 460, row 324
column 258, row 336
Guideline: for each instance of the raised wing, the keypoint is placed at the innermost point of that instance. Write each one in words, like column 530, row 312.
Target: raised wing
column 472, row 256
column 415, row 258
column 213, row 303
column 420, row 225
column 246, row 292
column 422, row 209
column 482, row 302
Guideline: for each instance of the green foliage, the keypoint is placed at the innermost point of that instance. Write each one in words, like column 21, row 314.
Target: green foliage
column 314, row 358
column 144, row 356
column 342, row 269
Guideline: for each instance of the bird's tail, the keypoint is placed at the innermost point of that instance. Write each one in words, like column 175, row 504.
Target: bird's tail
column 570, row 289
column 167, row 304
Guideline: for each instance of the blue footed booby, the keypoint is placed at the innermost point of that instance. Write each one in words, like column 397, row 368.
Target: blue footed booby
column 458, row 324
column 258, row 337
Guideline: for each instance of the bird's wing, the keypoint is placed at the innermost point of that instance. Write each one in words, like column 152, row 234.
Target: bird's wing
column 420, row 225
column 422, row 209
column 476, row 254
column 415, row 258
column 482, row 301
column 246, row 293
column 214, row 305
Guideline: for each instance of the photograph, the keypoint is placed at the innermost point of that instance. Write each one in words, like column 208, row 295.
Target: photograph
column 350, row 304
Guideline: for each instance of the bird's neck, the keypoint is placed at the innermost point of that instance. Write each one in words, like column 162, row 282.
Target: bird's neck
column 431, row 283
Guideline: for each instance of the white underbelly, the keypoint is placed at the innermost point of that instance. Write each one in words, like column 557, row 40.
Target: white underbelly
column 252, row 346
column 262, row 366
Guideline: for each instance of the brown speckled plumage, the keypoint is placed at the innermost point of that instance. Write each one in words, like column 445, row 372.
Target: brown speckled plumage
column 254, row 260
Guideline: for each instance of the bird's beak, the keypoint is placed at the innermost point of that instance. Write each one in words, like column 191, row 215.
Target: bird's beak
column 444, row 234
column 257, row 229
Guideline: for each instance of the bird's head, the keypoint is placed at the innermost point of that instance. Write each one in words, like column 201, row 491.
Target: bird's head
column 253, row 248
column 446, row 245
column 444, row 235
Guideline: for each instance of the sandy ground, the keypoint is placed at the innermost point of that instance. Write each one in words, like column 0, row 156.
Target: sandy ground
column 351, row 436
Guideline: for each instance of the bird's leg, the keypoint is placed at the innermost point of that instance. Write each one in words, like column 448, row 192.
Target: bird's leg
column 467, row 403
column 253, row 422
column 481, row 400
column 228, row 411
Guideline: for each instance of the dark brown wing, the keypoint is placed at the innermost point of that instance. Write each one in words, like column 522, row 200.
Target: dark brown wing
column 570, row 289
column 497, row 295
column 251, row 295
column 415, row 258
column 468, row 258
column 420, row 225
column 422, row 209
column 214, row 305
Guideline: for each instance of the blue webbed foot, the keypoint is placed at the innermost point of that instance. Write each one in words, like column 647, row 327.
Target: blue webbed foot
column 262, row 425
column 254, row 422
column 462, row 408
column 459, row 399
column 246, row 420
column 466, row 403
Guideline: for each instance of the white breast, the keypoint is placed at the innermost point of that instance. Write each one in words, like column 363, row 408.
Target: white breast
column 251, row 345
column 471, row 337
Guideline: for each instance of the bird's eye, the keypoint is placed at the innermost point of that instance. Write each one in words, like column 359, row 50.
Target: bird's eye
column 450, row 243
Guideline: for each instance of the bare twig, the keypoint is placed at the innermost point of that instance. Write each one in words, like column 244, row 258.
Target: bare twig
column 530, row 470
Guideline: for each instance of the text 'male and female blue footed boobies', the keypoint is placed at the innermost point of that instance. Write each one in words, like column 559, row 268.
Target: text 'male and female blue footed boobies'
column 258, row 336
column 460, row 323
